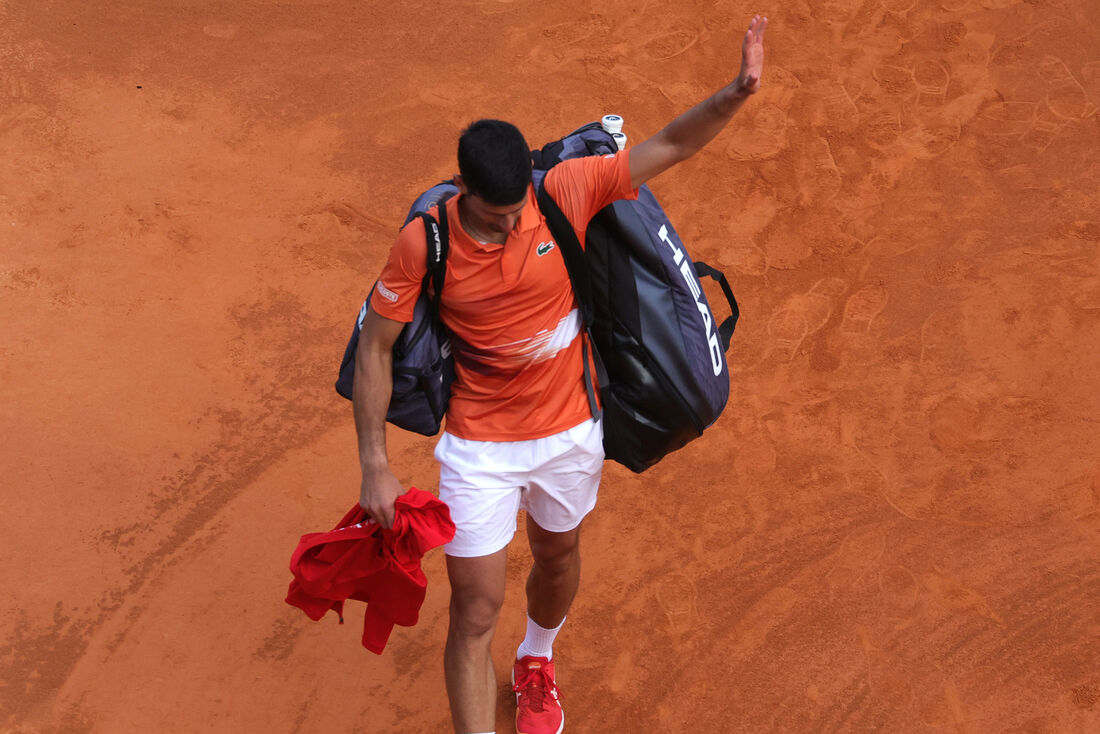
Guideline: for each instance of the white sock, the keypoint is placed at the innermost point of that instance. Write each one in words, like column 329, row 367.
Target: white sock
column 539, row 642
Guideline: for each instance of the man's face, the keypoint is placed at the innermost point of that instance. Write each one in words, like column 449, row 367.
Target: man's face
column 488, row 217
column 490, row 220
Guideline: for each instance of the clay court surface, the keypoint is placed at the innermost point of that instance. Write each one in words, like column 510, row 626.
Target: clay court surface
column 894, row 527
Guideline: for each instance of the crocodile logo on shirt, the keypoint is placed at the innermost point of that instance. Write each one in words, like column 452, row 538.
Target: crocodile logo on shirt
column 544, row 247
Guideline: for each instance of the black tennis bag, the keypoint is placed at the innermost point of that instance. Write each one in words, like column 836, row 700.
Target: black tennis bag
column 423, row 367
column 641, row 300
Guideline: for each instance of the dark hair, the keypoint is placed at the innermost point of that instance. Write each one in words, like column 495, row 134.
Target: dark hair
column 494, row 161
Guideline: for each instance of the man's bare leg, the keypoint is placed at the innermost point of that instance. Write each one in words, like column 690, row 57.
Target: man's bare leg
column 477, row 593
column 555, row 574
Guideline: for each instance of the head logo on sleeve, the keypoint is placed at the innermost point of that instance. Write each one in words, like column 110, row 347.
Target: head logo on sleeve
column 387, row 293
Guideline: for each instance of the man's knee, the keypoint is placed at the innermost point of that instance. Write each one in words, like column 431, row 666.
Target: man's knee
column 477, row 593
column 474, row 615
column 554, row 553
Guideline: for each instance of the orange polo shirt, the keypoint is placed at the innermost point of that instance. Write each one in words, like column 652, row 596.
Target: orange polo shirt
column 514, row 323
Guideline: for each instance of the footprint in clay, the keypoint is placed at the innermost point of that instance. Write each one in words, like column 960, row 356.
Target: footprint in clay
column 894, row 79
column 1046, row 128
column 1065, row 97
column 819, row 301
column 862, row 308
column 788, row 328
column 835, row 107
column 1005, row 119
column 932, row 80
column 764, row 139
column 676, row 595
column 669, row 45
column 819, row 179
column 931, row 139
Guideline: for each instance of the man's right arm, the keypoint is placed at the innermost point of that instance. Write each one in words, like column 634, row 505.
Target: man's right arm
column 371, row 393
column 687, row 134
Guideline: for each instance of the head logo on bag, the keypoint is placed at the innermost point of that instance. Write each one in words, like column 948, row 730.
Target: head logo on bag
column 692, row 282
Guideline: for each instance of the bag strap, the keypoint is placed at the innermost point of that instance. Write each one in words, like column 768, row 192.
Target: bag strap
column 438, row 238
column 577, row 267
column 439, row 273
column 438, row 243
column 725, row 331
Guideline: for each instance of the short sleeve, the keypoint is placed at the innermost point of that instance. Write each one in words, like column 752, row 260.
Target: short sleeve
column 399, row 284
column 583, row 186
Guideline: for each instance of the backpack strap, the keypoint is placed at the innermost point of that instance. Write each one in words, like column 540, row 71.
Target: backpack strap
column 725, row 331
column 577, row 267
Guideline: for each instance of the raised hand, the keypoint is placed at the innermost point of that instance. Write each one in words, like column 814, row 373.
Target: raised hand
column 752, row 56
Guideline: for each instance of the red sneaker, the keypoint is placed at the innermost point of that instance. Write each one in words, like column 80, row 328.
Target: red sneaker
column 538, row 710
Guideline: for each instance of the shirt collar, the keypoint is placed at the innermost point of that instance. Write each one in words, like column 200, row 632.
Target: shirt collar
column 528, row 220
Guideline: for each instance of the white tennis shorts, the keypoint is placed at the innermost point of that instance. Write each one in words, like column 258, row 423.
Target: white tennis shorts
column 485, row 484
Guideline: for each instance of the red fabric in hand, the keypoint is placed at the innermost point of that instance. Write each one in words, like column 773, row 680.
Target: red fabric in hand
column 360, row 560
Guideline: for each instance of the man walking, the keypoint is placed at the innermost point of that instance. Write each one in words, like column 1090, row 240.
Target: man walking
column 519, row 430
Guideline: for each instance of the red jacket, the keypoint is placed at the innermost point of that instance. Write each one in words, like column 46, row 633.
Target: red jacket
column 362, row 561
